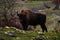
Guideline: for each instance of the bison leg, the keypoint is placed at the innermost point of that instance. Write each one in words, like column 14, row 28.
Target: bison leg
column 43, row 26
column 33, row 26
column 25, row 27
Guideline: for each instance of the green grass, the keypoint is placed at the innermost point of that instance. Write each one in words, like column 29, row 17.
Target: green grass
column 29, row 35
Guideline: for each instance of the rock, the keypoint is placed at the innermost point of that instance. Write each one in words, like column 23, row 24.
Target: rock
column 23, row 32
column 33, row 38
column 10, row 34
column 40, row 33
column 17, row 38
column 7, row 27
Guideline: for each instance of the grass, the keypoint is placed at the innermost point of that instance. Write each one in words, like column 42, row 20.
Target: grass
column 30, row 35
column 33, row 4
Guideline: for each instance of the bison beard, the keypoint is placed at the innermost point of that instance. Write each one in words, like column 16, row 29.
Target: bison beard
column 33, row 19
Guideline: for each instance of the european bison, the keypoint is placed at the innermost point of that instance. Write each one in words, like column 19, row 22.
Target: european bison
column 29, row 18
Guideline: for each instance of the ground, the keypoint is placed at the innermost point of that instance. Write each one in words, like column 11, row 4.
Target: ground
column 29, row 35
